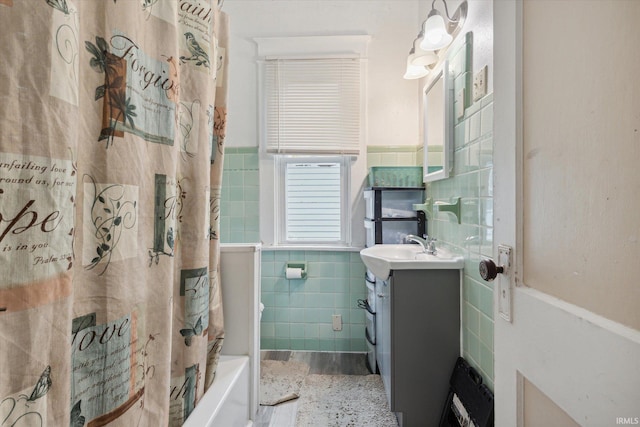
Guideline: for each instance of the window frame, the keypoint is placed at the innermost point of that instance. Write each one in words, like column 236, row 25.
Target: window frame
column 280, row 213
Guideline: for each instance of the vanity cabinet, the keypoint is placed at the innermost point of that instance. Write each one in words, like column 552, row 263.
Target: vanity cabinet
column 418, row 341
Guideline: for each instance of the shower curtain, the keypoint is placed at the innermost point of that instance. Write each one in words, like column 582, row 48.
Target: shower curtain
column 112, row 122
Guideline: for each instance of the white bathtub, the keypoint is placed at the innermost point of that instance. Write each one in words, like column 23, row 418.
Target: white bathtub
column 226, row 403
column 232, row 399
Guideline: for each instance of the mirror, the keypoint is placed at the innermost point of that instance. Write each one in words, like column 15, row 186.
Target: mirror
column 438, row 126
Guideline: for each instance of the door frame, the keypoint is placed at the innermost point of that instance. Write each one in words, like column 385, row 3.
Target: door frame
column 586, row 364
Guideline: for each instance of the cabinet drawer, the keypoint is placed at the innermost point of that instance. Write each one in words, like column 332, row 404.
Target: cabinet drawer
column 392, row 203
column 371, row 327
column 371, row 294
column 371, row 358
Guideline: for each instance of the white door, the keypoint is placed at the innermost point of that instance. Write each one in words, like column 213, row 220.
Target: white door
column 567, row 200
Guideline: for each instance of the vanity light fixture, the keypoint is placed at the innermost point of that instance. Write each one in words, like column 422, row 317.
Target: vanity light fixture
column 421, row 56
column 418, row 60
column 435, row 34
column 414, row 71
column 438, row 33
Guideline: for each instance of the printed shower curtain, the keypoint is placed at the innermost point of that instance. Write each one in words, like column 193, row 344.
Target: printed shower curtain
column 112, row 120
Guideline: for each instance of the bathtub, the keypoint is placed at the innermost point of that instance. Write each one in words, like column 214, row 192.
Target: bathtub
column 226, row 403
column 232, row 399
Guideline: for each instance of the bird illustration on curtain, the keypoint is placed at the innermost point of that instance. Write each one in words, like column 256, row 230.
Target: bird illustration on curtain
column 197, row 53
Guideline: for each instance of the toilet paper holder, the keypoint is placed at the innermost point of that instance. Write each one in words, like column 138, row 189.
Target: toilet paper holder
column 295, row 269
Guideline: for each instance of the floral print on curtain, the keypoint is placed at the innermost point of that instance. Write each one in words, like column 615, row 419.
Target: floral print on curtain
column 111, row 148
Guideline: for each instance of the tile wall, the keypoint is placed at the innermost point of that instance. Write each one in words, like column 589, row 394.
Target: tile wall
column 396, row 155
column 473, row 238
column 298, row 313
column 400, row 155
column 239, row 208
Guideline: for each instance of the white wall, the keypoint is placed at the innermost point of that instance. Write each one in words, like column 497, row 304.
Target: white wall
column 392, row 24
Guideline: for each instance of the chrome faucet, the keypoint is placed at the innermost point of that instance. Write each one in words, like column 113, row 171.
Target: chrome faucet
column 428, row 244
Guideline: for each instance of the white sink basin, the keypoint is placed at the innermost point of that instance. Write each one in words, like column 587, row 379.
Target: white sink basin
column 381, row 259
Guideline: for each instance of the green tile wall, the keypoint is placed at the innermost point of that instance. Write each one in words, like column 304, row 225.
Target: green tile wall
column 239, row 209
column 297, row 314
column 473, row 238
column 394, row 155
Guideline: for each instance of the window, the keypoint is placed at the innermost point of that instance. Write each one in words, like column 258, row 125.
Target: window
column 311, row 133
column 313, row 200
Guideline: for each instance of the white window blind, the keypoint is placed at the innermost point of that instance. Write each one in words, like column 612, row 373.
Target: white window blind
column 313, row 106
column 313, row 203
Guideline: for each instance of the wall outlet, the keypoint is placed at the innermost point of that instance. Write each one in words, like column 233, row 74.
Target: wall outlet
column 480, row 83
column 337, row 322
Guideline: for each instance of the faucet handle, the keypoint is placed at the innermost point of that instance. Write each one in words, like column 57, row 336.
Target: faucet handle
column 431, row 245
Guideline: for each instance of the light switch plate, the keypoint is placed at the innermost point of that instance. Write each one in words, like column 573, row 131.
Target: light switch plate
column 460, row 104
column 337, row 322
column 480, row 83
column 504, row 282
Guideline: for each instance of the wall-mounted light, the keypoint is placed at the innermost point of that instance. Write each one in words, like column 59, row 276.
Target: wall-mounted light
column 436, row 33
column 418, row 60
column 421, row 56
column 414, row 71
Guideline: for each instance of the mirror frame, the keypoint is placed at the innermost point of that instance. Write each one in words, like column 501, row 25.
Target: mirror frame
column 447, row 149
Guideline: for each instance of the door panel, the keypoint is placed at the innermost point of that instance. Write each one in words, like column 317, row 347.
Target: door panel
column 540, row 411
column 581, row 149
column 574, row 329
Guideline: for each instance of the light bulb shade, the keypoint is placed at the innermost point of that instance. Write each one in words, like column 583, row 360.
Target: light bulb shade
column 435, row 33
column 424, row 58
column 414, row 71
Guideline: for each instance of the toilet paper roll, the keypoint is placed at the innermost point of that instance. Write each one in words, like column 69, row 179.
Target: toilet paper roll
column 293, row 273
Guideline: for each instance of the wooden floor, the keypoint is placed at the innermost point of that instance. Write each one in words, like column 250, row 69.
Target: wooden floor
column 284, row 414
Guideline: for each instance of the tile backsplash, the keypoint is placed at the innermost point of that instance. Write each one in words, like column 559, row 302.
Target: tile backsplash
column 239, row 205
column 472, row 182
column 394, row 155
column 298, row 313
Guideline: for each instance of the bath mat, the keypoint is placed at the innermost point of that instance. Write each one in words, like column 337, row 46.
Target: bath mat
column 344, row 401
column 281, row 381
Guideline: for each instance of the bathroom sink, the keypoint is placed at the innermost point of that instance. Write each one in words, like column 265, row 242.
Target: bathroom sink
column 381, row 259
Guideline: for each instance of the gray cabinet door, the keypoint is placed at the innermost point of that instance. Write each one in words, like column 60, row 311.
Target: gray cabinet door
column 424, row 321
